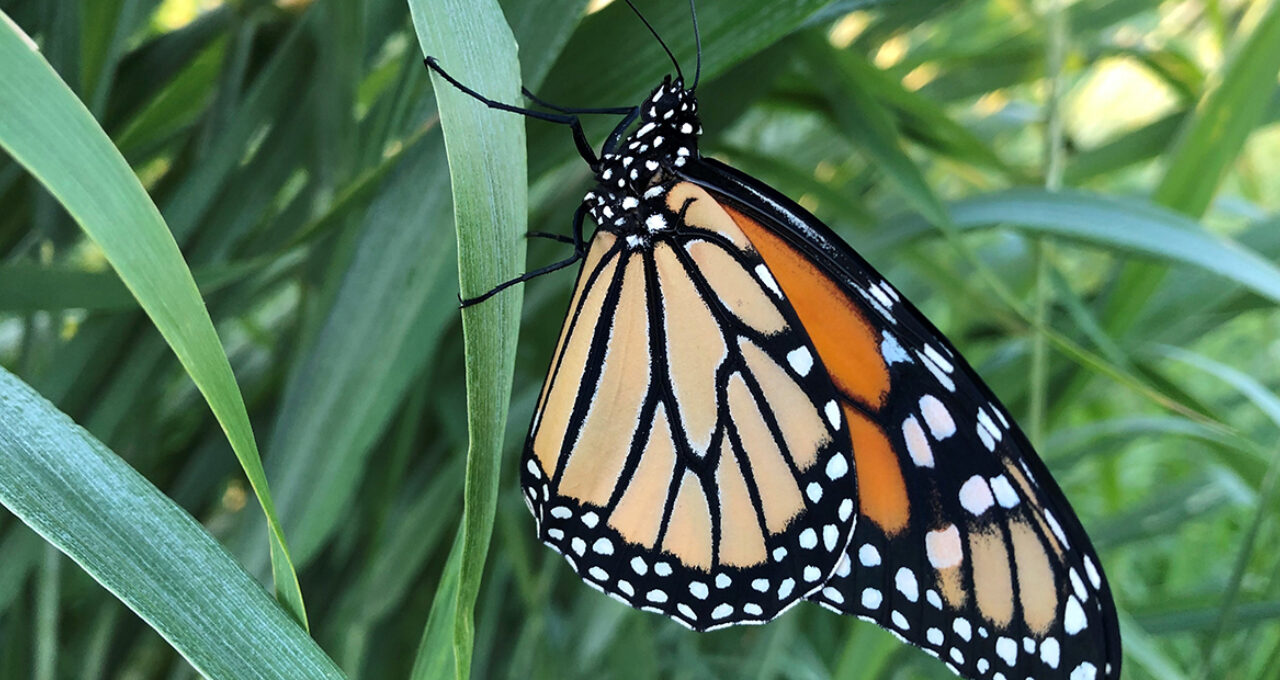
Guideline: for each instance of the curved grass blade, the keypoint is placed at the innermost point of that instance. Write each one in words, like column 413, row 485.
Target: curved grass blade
column 486, row 152
column 47, row 130
column 142, row 547
column 1130, row 226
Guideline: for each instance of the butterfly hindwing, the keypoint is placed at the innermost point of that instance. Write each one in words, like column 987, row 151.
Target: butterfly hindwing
column 688, row 454
column 964, row 546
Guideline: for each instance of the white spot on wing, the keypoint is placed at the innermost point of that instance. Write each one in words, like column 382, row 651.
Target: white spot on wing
column 937, row 417
column 892, row 350
column 917, row 445
column 762, row 272
column 975, row 495
column 800, row 359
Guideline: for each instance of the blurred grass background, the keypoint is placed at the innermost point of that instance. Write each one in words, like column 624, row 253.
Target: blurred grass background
column 1084, row 195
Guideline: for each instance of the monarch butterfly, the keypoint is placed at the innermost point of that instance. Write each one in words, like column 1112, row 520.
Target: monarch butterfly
column 741, row 414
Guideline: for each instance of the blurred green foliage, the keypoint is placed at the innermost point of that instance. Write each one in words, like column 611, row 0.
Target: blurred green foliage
column 1084, row 195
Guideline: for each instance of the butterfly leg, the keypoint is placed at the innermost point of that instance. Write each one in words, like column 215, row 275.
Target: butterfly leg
column 579, row 251
column 575, row 125
column 615, row 110
column 549, row 236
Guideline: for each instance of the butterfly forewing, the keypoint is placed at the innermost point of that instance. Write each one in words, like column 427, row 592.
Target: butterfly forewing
column 965, row 545
column 689, row 454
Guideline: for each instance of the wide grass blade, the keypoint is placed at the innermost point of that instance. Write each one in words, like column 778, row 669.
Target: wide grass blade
column 142, row 547
column 1127, row 225
column 47, row 130
column 487, row 165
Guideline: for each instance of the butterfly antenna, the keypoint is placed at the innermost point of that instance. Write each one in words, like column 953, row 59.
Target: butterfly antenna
column 697, row 40
column 658, row 37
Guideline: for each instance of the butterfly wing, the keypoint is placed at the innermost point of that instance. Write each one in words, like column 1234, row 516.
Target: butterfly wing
column 687, row 455
column 964, row 546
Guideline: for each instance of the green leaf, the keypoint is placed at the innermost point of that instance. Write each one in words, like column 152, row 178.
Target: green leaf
column 487, row 164
column 1210, row 142
column 142, row 547
column 843, row 78
column 1113, row 223
column 47, row 130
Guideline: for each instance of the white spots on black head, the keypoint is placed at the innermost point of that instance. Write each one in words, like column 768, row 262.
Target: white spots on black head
column 629, row 203
column 679, row 162
column 655, row 223
column 682, row 151
column 645, row 129
column 657, row 141
column 975, row 495
column 607, row 174
column 655, row 191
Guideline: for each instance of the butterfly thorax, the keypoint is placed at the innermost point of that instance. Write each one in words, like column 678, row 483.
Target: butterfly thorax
column 629, row 198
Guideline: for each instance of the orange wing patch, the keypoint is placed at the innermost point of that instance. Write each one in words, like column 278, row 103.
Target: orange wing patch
column 882, row 492
column 844, row 338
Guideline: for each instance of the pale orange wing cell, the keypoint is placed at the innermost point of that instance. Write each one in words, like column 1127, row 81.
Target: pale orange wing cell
column 690, row 455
